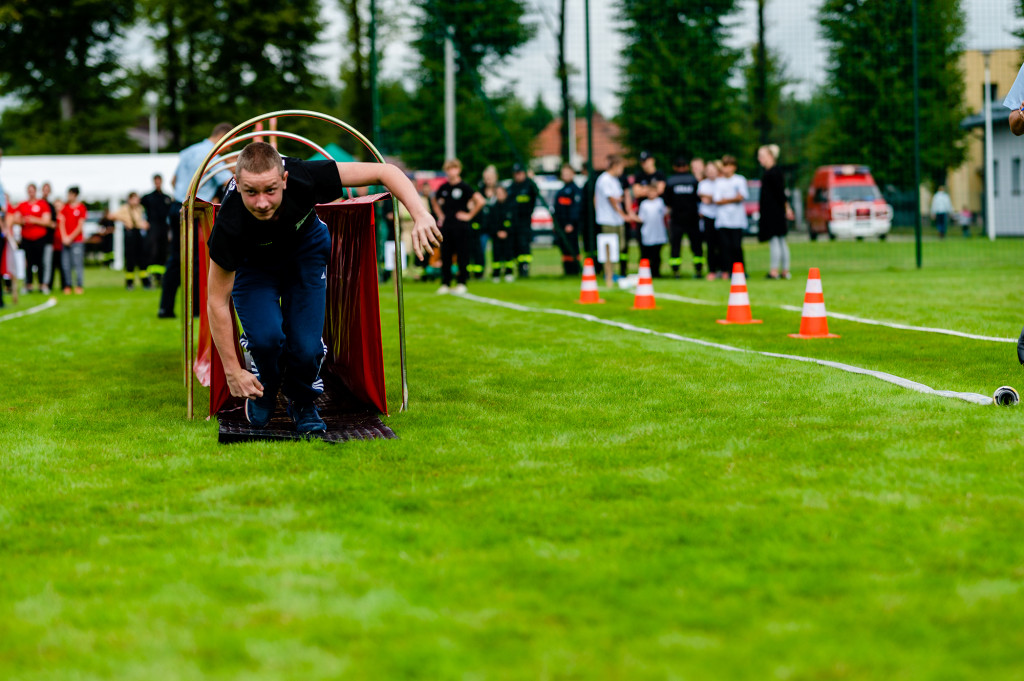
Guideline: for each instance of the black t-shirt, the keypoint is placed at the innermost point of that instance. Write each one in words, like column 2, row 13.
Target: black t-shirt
column 238, row 238
column 681, row 196
column 453, row 199
column 643, row 178
column 157, row 205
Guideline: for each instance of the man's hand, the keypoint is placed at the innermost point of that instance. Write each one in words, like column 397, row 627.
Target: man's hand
column 242, row 383
column 463, row 215
column 425, row 235
column 568, row 229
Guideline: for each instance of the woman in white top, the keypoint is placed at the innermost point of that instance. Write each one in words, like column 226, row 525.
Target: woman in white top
column 731, row 193
column 708, row 210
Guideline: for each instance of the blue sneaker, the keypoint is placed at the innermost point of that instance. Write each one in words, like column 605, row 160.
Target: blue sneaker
column 257, row 415
column 307, row 418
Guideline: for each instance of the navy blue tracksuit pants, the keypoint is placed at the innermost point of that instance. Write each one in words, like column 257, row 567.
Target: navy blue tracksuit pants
column 282, row 307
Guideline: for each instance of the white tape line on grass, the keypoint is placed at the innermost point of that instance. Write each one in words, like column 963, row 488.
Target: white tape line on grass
column 32, row 310
column 974, row 398
column 907, row 327
column 851, row 318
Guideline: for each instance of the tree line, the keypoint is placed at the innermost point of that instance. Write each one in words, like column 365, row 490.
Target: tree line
column 78, row 90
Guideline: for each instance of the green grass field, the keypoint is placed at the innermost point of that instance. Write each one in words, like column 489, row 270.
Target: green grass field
column 566, row 500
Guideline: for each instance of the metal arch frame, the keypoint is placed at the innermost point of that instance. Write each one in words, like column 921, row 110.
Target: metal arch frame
column 187, row 224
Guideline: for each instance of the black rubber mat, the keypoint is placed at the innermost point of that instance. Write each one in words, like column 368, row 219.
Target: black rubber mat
column 346, row 419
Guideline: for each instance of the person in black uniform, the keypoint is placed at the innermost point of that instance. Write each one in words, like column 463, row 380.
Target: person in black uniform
column 157, row 206
column 522, row 195
column 568, row 220
column 268, row 255
column 681, row 198
column 648, row 183
column 457, row 203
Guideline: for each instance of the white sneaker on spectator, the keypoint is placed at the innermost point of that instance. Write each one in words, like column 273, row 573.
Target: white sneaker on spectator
column 461, row 288
column 443, row 290
column 509, row 278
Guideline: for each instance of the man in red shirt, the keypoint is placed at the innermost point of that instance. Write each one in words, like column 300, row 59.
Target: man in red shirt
column 34, row 217
column 69, row 231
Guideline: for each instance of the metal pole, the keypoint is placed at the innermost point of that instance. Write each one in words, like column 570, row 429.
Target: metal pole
column 990, row 163
column 374, row 94
column 449, row 93
column 591, row 238
column 917, row 140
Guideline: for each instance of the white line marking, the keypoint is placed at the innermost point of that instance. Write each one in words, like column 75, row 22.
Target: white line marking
column 32, row 310
column 974, row 398
column 851, row 318
column 908, row 327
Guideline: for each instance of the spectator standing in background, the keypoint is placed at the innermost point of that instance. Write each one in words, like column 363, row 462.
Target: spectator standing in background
column 568, row 220
column 70, row 221
column 775, row 211
column 965, row 217
column 33, row 214
column 652, row 232
column 51, row 251
column 681, row 199
column 479, row 228
column 157, row 206
column 522, row 197
column 708, row 211
column 942, row 206
column 731, row 192
column 610, row 212
column 130, row 214
column 188, row 163
column 3, row 233
column 457, row 204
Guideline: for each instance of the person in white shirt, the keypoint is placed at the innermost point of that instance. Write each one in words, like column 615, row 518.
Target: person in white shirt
column 942, row 206
column 731, row 192
column 708, row 211
column 609, row 212
column 653, row 234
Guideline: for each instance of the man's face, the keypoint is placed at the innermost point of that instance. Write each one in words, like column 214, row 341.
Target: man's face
column 31, row 189
column 72, row 197
column 519, row 176
column 46, row 190
column 262, row 193
column 648, row 165
column 698, row 167
column 568, row 174
column 158, row 182
column 454, row 174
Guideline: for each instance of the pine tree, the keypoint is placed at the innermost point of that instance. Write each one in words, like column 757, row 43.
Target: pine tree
column 61, row 62
column 676, row 93
column 870, row 87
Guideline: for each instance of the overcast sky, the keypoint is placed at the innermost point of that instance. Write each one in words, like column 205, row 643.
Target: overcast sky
column 791, row 30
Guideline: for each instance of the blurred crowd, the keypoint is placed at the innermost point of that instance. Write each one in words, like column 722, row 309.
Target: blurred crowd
column 704, row 202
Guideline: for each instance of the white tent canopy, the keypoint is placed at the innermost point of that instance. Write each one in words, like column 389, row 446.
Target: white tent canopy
column 106, row 177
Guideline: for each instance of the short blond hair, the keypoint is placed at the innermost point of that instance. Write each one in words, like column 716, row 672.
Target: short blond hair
column 452, row 163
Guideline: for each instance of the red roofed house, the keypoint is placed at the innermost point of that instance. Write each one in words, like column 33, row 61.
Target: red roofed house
column 548, row 144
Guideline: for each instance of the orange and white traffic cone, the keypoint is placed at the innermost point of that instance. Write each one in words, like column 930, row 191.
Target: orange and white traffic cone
column 588, row 287
column 739, row 300
column 644, row 299
column 813, row 321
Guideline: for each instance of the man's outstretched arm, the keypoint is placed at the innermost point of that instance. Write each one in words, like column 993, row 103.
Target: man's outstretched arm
column 425, row 233
column 242, row 383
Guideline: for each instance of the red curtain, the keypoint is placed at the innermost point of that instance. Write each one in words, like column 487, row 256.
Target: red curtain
column 355, row 354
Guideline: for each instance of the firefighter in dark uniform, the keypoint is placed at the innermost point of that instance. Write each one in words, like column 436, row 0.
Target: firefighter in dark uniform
column 681, row 199
column 568, row 220
column 522, row 195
